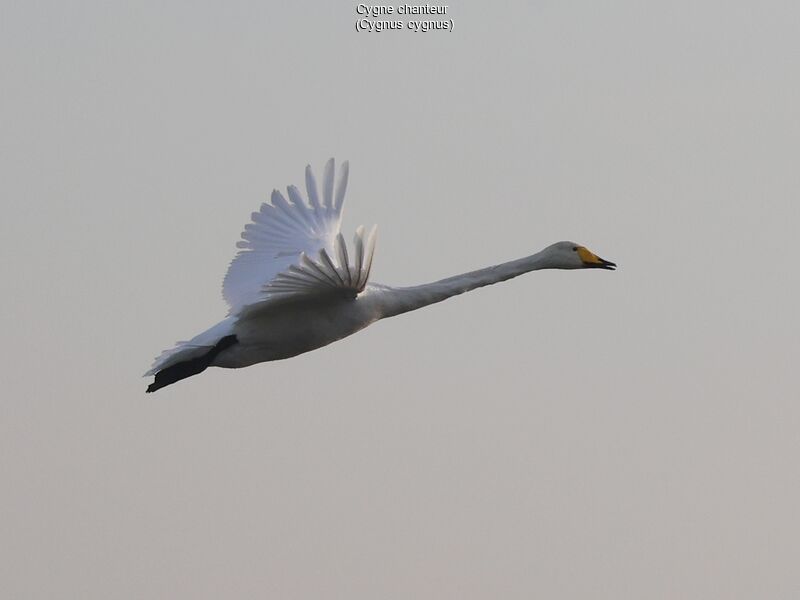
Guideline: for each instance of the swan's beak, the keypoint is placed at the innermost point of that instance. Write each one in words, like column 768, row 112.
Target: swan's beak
column 592, row 261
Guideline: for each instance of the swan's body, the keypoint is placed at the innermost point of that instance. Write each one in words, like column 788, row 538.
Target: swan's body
column 295, row 288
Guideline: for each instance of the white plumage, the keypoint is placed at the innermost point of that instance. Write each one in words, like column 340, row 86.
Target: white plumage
column 294, row 286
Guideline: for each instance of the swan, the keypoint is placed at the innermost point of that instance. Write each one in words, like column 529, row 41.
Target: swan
column 295, row 286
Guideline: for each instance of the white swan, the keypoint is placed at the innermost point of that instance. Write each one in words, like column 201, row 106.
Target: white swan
column 295, row 287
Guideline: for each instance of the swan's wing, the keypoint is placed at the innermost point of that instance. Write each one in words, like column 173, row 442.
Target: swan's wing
column 324, row 276
column 281, row 232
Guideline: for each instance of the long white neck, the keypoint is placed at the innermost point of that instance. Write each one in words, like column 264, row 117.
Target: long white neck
column 395, row 301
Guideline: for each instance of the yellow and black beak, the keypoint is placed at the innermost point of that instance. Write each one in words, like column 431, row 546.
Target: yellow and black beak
column 592, row 261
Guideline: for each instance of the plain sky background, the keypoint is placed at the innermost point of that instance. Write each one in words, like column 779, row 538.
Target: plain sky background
column 563, row 435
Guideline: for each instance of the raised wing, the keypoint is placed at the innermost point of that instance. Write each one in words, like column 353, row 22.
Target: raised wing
column 326, row 275
column 282, row 232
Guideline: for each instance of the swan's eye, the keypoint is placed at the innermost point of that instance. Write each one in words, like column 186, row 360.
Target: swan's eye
column 574, row 248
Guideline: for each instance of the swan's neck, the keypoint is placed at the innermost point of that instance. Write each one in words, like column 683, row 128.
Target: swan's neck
column 395, row 301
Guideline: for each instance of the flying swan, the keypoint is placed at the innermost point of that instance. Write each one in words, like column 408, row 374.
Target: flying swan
column 295, row 286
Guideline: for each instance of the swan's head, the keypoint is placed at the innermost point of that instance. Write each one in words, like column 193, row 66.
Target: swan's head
column 569, row 255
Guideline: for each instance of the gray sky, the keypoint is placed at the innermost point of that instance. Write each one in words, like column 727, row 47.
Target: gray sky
column 567, row 434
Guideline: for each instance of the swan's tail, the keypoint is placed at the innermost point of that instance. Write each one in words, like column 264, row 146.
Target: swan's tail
column 192, row 357
column 189, row 366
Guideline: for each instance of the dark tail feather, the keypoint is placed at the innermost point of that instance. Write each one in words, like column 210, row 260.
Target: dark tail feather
column 187, row 368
